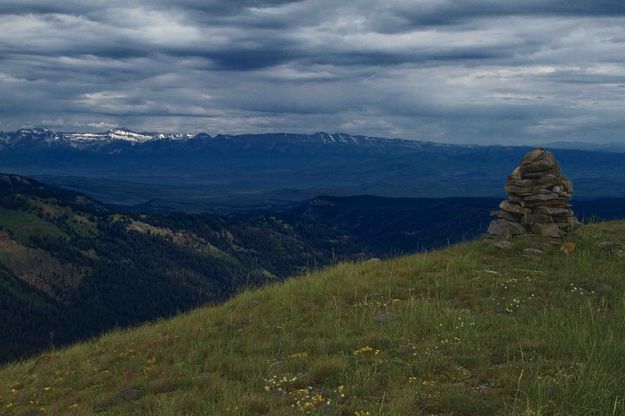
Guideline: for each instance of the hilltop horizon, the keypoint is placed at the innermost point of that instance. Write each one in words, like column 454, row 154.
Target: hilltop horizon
column 609, row 146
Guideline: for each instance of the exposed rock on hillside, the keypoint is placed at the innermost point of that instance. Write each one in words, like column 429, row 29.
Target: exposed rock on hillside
column 537, row 202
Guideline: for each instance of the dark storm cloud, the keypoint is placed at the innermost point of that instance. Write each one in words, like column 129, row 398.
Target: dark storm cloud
column 214, row 7
column 450, row 11
column 479, row 71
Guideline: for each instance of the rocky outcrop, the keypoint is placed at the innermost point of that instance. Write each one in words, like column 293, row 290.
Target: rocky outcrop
column 537, row 203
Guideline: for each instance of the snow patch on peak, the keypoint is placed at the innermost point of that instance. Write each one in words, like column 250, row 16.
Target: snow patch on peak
column 128, row 135
column 124, row 134
column 338, row 138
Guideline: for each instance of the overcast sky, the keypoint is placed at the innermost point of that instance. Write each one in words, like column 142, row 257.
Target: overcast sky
column 458, row 71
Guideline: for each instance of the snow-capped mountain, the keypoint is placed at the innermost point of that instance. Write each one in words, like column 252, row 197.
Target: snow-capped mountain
column 117, row 134
column 43, row 135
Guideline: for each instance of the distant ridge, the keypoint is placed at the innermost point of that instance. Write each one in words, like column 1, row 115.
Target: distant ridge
column 225, row 172
column 615, row 147
column 123, row 134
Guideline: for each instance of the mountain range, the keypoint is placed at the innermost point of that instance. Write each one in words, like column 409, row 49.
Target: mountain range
column 231, row 173
column 38, row 136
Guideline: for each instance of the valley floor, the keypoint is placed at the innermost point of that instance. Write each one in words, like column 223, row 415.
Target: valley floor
column 469, row 330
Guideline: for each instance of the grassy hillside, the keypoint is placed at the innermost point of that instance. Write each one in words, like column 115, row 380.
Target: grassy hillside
column 71, row 268
column 470, row 330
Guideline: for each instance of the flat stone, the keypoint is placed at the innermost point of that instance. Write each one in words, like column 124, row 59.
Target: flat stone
column 606, row 246
column 533, row 251
column 504, row 245
column 553, row 210
column 573, row 222
column 530, row 219
column 554, row 203
column 518, row 190
column 539, row 174
column 561, row 220
column 482, row 387
column 543, row 190
column 505, row 228
column 539, row 162
column 513, row 208
column 544, row 196
column 547, row 230
column 537, row 154
column 505, row 215
column 127, row 393
column 550, row 177
column 515, row 175
column 521, row 182
column 566, row 184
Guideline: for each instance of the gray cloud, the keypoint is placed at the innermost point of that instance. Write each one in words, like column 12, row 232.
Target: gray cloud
column 472, row 71
column 437, row 12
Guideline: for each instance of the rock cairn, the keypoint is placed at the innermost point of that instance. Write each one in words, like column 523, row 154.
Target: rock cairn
column 537, row 202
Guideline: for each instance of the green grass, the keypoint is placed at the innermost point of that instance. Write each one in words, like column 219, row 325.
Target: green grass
column 472, row 331
column 23, row 225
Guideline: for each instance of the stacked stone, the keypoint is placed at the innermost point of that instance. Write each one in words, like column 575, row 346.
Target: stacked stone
column 537, row 202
